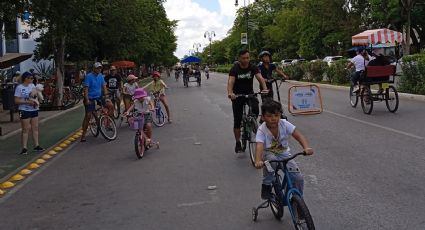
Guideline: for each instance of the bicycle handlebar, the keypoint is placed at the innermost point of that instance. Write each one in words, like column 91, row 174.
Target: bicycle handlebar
column 274, row 80
column 247, row 95
column 287, row 159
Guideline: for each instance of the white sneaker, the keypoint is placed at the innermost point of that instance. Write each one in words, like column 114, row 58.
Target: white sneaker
column 356, row 89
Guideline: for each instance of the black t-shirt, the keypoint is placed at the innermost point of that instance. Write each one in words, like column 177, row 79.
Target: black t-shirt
column 113, row 81
column 243, row 78
column 186, row 70
column 267, row 73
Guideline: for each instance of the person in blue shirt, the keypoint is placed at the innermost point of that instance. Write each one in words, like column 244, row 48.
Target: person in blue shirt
column 94, row 85
column 266, row 68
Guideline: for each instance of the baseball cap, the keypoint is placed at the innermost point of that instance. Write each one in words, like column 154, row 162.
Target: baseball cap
column 113, row 68
column 97, row 65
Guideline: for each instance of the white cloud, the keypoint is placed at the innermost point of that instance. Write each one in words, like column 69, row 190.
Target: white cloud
column 194, row 20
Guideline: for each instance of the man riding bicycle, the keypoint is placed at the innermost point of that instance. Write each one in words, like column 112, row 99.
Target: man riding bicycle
column 114, row 85
column 266, row 69
column 94, row 84
column 241, row 78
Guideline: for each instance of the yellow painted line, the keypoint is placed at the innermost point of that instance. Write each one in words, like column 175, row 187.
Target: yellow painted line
column 67, row 142
column 63, row 145
column 1, row 192
column 71, row 139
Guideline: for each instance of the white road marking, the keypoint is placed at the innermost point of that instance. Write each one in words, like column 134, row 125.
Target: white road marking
column 369, row 123
column 376, row 125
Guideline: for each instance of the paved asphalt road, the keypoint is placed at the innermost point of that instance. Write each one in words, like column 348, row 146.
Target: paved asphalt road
column 367, row 172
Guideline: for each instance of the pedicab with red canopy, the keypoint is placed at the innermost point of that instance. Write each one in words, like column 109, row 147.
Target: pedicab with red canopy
column 377, row 74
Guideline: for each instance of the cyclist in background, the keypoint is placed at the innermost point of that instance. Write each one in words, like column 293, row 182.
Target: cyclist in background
column 266, row 68
column 159, row 86
column 114, row 84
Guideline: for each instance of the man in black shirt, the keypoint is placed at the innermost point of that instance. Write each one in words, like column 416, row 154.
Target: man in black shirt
column 114, row 84
column 241, row 79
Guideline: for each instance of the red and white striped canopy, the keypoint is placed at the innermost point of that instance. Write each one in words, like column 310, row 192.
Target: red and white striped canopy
column 379, row 36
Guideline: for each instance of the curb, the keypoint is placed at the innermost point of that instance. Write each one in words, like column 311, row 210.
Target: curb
column 4, row 137
column 415, row 97
column 25, row 171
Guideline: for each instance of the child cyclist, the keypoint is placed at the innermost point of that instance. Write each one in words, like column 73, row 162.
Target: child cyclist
column 272, row 144
column 158, row 85
column 142, row 106
column 129, row 89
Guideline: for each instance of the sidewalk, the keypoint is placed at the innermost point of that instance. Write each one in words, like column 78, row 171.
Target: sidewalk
column 54, row 126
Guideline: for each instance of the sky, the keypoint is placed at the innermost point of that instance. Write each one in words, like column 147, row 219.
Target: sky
column 198, row 16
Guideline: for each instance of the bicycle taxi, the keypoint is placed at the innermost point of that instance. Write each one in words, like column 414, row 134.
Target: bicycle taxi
column 382, row 75
column 196, row 72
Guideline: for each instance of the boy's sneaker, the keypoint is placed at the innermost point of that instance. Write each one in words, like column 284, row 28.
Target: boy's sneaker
column 38, row 148
column 238, row 147
column 266, row 192
column 24, row 151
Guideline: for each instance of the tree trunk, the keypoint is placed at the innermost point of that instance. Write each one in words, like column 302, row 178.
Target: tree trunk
column 60, row 61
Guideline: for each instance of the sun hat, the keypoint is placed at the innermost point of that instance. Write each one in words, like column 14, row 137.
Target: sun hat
column 139, row 93
column 131, row 77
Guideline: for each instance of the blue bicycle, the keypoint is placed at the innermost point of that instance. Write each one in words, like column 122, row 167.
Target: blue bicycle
column 158, row 116
column 285, row 194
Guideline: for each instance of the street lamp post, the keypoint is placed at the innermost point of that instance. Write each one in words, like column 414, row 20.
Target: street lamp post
column 210, row 35
column 246, row 18
column 196, row 46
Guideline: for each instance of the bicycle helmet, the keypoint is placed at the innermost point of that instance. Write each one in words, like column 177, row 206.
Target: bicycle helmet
column 131, row 77
column 265, row 52
column 156, row 74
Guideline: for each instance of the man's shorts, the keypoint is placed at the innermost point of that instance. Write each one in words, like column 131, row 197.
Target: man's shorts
column 27, row 114
column 92, row 104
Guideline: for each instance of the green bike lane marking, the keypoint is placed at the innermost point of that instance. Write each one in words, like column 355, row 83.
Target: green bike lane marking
column 51, row 132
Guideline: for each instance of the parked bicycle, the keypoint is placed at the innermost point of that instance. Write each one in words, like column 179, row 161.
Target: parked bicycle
column 102, row 123
column 51, row 95
column 249, row 126
column 286, row 194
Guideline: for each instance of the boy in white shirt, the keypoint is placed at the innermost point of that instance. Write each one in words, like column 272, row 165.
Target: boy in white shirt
column 272, row 144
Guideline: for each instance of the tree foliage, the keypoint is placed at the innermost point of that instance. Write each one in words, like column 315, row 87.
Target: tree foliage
column 313, row 29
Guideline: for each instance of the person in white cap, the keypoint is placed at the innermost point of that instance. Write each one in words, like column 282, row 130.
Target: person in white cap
column 94, row 84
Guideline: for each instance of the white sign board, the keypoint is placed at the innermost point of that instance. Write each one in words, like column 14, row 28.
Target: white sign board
column 244, row 38
column 304, row 99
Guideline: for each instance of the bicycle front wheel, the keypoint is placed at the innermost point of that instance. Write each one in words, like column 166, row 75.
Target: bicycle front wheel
column 108, row 128
column 117, row 109
column 93, row 125
column 158, row 117
column 301, row 215
column 139, row 145
column 252, row 143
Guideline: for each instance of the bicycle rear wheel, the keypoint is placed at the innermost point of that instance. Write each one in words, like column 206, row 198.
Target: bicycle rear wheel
column 366, row 100
column 93, row 125
column 117, row 109
column 301, row 215
column 108, row 128
column 391, row 99
column 139, row 145
column 68, row 98
column 252, row 143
